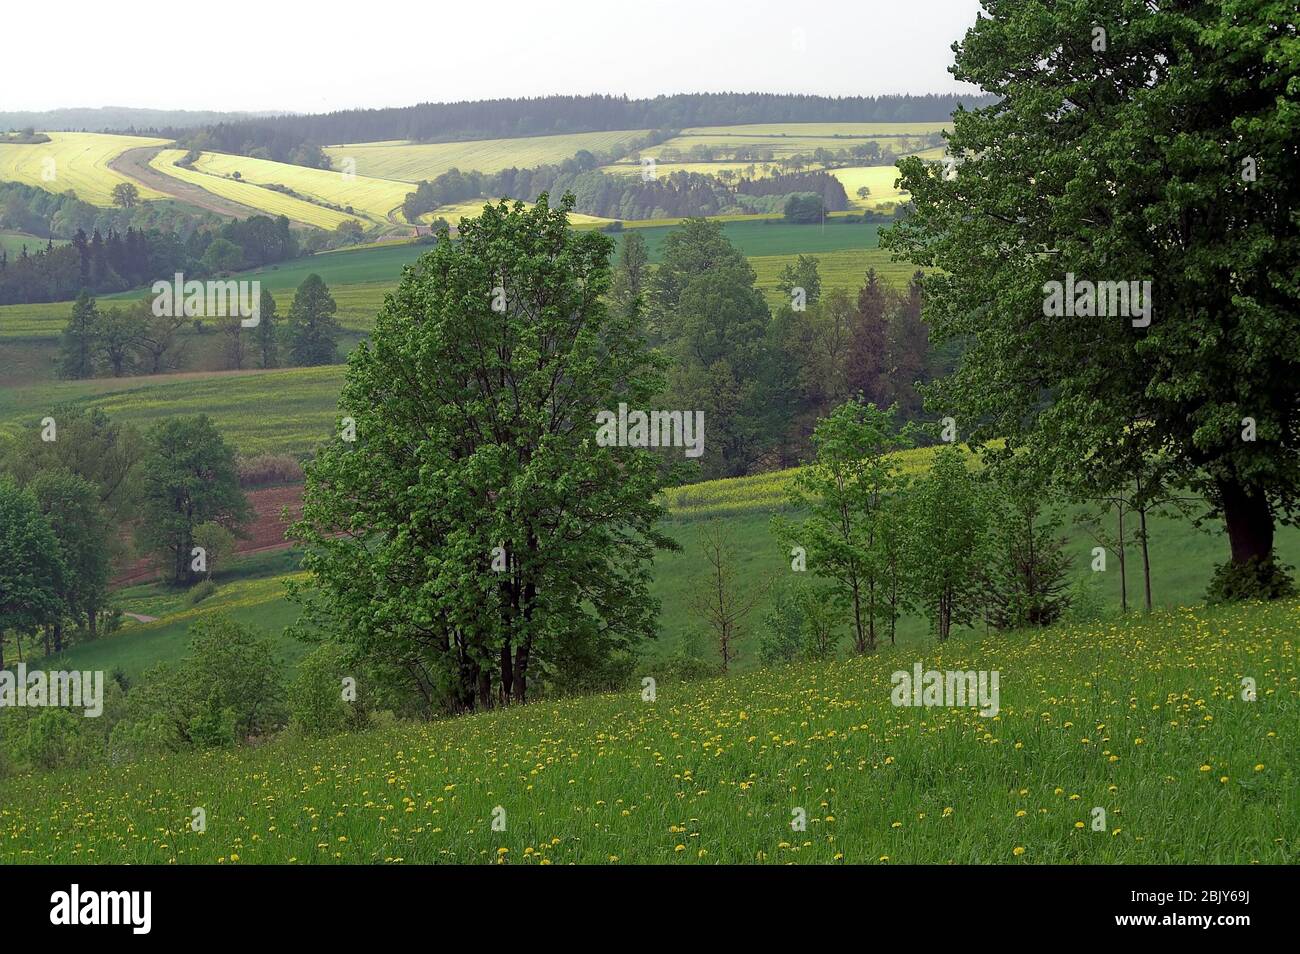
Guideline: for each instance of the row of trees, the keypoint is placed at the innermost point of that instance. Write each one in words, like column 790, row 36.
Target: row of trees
column 871, row 543
column 672, row 195
column 131, row 339
column 120, row 261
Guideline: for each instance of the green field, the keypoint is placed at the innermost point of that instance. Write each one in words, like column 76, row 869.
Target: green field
column 412, row 162
column 76, row 161
column 288, row 410
column 13, row 243
column 1142, row 719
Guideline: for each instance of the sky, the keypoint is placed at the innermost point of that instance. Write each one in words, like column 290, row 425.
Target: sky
column 274, row 55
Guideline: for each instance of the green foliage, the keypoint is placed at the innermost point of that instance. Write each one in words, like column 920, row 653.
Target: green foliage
column 229, row 688
column 781, row 637
column 222, row 255
column 80, row 339
column 844, row 490
column 32, row 571
column 266, row 337
column 71, row 506
column 490, row 535
column 804, row 208
column 947, row 542
column 312, row 329
column 217, row 543
column 316, row 696
column 1184, row 128
column 200, row 591
column 1026, row 581
column 190, row 478
column 1259, row 578
column 706, row 310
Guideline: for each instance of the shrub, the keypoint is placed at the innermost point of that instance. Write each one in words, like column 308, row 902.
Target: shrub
column 199, row 592
column 1259, row 578
column 782, row 632
column 264, row 470
column 316, row 699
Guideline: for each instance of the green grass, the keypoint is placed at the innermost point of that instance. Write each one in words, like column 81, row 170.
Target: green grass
column 1143, row 720
column 282, row 411
column 250, row 591
column 13, row 243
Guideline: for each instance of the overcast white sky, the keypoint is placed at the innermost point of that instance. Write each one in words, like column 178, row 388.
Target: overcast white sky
column 321, row 56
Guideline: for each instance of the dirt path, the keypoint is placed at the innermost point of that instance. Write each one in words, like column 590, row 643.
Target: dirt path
column 265, row 531
column 135, row 164
column 141, row 617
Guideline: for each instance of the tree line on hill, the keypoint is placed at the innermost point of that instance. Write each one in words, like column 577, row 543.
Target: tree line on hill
column 298, row 138
column 61, row 215
column 674, row 195
column 134, row 338
column 118, row 261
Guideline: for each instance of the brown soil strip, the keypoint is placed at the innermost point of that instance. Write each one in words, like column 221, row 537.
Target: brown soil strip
column 265, row 531
column 135, row 164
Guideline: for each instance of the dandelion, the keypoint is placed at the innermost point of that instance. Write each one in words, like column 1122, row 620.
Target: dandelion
column 1017, row 851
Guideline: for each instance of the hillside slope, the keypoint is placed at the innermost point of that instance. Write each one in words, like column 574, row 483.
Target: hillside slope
column 1144, row 720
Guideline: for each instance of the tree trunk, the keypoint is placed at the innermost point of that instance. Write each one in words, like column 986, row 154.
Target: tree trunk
column 507, row 672
column 1146, row 557
column 522, row 652
column 1249, row 521
column 860, row 638
column 1123, row 563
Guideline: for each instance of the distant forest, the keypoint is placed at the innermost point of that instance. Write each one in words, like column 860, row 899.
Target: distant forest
column 120, row 119
column 293, row 138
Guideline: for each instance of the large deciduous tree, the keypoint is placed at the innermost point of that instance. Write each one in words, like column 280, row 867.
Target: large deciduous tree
column 475, row 536
column 31, row 566
column 189, row 478
column 1131, row 141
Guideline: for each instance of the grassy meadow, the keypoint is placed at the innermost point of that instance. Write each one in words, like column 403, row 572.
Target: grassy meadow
column 1143, row 719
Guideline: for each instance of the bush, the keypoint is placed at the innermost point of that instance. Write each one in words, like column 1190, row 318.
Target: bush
column 229, row 667
column 199, row 592
column 683, row 667
column 804, row 208
column 55, row 738
column 316, row 699
column 213, row 725
column 1259, row 578
column 264, row 470
column 1086, row 603
column 782, row 633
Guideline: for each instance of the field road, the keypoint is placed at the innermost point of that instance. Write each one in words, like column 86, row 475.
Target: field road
column 135, row 164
